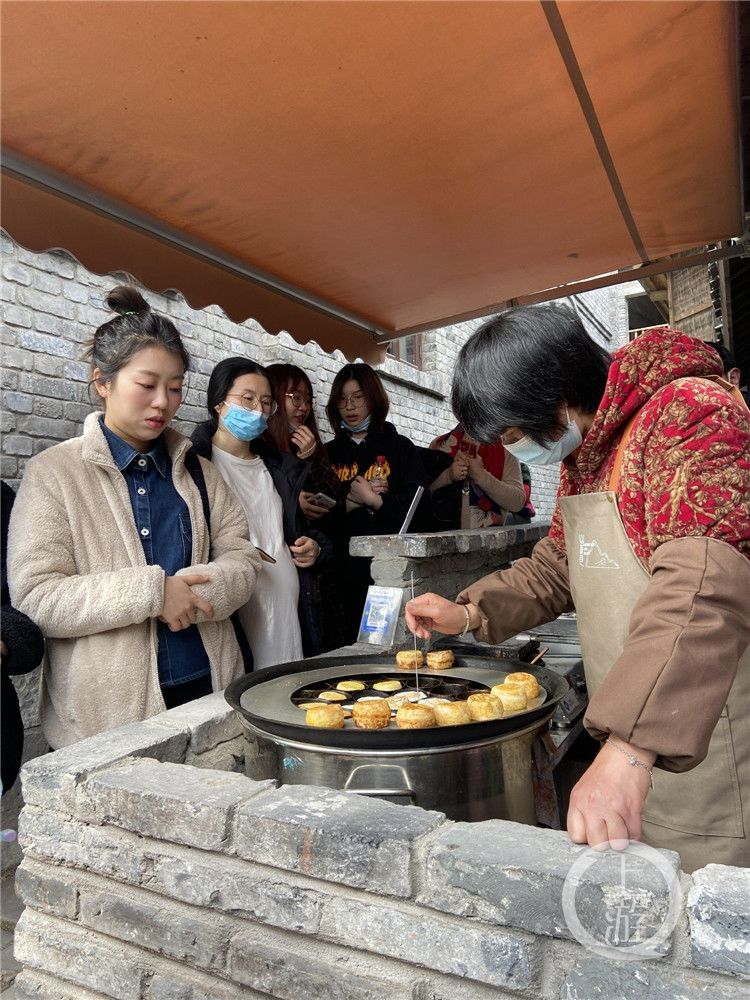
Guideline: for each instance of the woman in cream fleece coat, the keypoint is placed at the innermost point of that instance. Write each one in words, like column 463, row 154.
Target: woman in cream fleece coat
column 77, row 558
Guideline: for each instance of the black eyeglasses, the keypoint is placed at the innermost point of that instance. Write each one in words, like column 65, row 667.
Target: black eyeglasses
column 249, row 401
column 356, row 398
column 298, row 398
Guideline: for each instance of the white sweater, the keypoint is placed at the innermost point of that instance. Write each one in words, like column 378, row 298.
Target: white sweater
column 77, row 568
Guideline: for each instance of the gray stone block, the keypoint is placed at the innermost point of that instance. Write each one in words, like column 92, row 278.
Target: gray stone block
column 156, row 924
column 33, row 985
column 15, row 272
column 17, row 316
column 599, row 979
column 511, row 874
column 718, row 909
column 19, row 402
column 47, row 835
column 41, row 889
column 210, row 721
column 355, row 840
column 280, row 972
column 78, row 956
column 477, row 953
column 235, row 888
column 16, row 444
column 51, row 781
column 229, row 756
column 169, row 985
column 168, row 801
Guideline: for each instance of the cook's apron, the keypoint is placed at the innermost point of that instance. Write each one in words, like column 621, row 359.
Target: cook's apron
column 698, row 812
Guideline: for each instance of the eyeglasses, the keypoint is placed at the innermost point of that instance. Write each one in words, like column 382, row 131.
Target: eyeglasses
column 249, row 401
column 298, row 398
column 355, row 399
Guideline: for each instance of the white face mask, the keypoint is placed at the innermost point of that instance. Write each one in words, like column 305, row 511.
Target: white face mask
column 528, row 451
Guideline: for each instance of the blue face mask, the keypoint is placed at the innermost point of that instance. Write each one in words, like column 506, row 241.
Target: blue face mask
column 528, row 451
column 245, row 425
column 358, row 428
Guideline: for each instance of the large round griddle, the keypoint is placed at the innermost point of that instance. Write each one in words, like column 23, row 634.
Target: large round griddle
column 264, row 700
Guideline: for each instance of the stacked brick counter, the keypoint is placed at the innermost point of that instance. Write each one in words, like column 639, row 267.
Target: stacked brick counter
column 155, row 869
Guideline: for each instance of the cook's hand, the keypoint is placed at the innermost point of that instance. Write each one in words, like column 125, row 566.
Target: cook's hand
column 429, row 611
column 304, row 438
column 476, row 467
column 304, row 552
column 362, row 494
column 181, row 605
column 606, row 805
column 460, row 468
column 311, row 511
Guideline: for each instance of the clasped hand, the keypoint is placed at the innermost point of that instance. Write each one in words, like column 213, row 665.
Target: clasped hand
column 363, row 493
column 304, row 552
column 181, row 606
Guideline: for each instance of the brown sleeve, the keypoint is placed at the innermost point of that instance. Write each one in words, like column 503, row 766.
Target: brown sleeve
column 688, row 631
column 532, row 591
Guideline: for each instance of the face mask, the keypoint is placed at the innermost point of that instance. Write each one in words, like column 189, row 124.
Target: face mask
column 528, row 451
column 245, row 425
column 359, row 428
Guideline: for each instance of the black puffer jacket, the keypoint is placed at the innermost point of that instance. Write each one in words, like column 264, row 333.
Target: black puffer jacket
column 289, row 475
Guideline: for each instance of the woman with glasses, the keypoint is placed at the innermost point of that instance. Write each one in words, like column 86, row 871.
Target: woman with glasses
column 294, row 429
column 111, row 554
column 267, row 482
column 380, row 470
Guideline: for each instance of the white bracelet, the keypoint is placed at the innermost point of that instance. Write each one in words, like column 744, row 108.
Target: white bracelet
column 634, row 761
column 468, row 621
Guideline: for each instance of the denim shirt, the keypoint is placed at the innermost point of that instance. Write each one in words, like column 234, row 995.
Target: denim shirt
column 163, row 522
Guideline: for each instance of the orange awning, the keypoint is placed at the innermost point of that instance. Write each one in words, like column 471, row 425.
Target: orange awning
column 351, row 171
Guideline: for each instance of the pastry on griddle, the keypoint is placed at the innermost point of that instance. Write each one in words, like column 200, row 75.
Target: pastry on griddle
column 400, row 697
column 484, row 706
column 527, row 682
column 452, row 713
column 350, row 686
column 325, row 717
column 374, row 714
column 308, row 704
column 332, row 696
column 436, row 701
column 413, row 715
column 441, row 659
column 393, row 685
column 409, row 659
column 512, row 698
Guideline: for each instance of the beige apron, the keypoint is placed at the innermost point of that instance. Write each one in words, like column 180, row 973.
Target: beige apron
column 699, row 812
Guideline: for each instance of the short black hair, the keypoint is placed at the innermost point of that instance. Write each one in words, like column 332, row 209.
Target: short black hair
column 727, row 358
column 518, row 368
column 369, row 382
column 223, row 378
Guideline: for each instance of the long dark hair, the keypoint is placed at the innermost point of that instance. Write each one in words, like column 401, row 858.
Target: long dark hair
column 223, row 378
column 290, row 378
column 518, row 368
column 135, row 327
column 372, row 388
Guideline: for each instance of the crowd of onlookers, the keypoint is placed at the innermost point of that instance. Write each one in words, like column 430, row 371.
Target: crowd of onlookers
column 159, row 568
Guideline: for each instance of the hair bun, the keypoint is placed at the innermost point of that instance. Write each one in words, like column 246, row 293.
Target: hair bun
column 126, row 299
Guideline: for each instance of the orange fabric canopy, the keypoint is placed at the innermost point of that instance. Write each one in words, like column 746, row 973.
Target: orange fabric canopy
column 349, row 170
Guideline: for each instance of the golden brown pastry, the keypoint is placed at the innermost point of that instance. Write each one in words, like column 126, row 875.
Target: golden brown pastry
column 308, row 704
column 484, row 706
column 528, row 683
column 350, row 686
column 436, row 701
column 371, row 714
column 441, row 659
column 512, row 698
column 413, row 715
column 452, row 713
column 325, row 717
column 409, row 659
column 332, row 696
column 393, row 685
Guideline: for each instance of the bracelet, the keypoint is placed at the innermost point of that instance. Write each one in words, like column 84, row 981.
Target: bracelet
column 468, row 621
column 634, row 761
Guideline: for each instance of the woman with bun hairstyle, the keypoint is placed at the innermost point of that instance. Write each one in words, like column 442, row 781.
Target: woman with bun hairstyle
column 281, row 619
column 111, row 552
column 294, row 429
column 380, row 470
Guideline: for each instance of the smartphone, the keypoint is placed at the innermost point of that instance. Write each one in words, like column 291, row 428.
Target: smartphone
column 264, row 555
column 322, row 500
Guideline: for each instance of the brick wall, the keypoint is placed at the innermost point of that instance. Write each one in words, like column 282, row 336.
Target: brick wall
column 153, row 870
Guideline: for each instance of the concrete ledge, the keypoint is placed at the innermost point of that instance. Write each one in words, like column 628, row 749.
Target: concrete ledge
column 719, row 913
column 448, row 542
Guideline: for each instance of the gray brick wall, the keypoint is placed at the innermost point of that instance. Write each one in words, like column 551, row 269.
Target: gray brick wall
column 51, row 305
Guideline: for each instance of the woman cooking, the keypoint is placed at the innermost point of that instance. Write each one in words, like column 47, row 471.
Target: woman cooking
column 650, row 544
